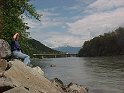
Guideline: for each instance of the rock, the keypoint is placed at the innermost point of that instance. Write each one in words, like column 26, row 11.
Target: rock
column 17, row 90
column 4, row 49
column 71, row 88
column 38, row 69
column 3, row 65
column 24, row 76
column 5, row 84
column 57, row 82
column 19, row 78
column 52, row 65
column 5, row 81
column 75, row 88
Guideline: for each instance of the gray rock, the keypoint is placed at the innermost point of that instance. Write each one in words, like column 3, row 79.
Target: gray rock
column 71, row 88
column 17, row 90
column 59, row 84
column 3, row 65
column 5, row 84
column 4, row 81
column 52, row 65
column 75, row 88
column 25, row 76
column 38, row 69
column 4, row 49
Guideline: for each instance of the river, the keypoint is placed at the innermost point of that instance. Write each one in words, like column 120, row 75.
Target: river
column 99, row 74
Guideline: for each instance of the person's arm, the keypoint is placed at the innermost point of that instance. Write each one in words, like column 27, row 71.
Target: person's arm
column 16, row 45
column 14, row 37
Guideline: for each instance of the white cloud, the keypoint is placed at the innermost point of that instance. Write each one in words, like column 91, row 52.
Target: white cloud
column 102, row 5
column 98, row 23
column 103, row 16
column 59, row 39
column 50, row 12
column 48, row 19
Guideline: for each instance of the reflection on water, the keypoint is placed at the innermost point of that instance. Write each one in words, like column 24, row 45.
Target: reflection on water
column 99, row 74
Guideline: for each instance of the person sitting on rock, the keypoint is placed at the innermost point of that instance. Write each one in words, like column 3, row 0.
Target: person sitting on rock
column 16, row 50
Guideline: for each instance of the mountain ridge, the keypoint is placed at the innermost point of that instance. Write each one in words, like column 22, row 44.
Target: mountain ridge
column 67, row 49
column 36, row 47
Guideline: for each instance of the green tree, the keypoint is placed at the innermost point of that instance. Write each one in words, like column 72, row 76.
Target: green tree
column 108, row 44
column 11, row 18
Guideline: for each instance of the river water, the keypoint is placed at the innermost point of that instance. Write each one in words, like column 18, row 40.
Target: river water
column 99, row 74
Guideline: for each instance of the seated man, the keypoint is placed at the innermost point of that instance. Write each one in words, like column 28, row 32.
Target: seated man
column 16, row 50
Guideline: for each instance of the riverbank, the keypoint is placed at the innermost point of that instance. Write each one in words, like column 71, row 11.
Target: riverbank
column 16, row 76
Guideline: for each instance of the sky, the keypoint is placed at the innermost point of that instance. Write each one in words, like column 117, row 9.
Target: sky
column 72, row 22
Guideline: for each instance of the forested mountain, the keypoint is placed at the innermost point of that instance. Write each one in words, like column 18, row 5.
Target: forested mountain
column 33, row 46
column 68, row 49
column 109, row 44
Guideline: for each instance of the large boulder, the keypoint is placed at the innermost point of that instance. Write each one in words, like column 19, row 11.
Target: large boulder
column 30, row 79
column 5, row 50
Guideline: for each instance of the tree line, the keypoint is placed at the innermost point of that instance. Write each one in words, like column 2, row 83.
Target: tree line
column 109, row 44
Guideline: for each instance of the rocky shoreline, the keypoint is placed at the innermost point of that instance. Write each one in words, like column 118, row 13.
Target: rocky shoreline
column 16, row 77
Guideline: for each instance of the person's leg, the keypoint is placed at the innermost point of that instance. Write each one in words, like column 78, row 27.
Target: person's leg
column 23, row 56
column 27, row 60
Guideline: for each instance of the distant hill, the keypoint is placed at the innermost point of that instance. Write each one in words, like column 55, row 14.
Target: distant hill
column 109, row 44
column 35, row 47
column 68, row 49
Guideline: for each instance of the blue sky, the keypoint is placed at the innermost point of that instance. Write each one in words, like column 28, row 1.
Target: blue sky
column 71, row 22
